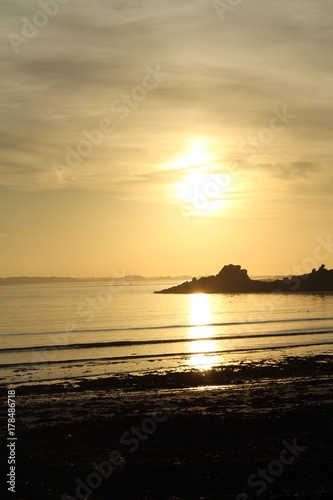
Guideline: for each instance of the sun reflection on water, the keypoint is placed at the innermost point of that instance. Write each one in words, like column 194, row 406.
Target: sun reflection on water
column 200, row 316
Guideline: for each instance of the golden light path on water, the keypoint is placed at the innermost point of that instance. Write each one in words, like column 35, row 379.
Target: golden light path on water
column 200, row 315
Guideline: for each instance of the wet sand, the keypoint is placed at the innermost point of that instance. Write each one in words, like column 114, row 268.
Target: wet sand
column 257, row 430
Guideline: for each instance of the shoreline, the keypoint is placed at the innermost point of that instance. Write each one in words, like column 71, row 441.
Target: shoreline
column 231, row 372
column 221, row 426
column 178, row 363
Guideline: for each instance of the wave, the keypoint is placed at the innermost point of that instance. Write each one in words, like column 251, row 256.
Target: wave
column 131, row 343
column 133, row 357
column 168, row 327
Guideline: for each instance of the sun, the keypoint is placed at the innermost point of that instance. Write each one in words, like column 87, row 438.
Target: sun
column 200, row 187
column 203, row 192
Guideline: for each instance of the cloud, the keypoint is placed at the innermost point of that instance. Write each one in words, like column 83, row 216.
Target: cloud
column 295, row 170
column 225, row 78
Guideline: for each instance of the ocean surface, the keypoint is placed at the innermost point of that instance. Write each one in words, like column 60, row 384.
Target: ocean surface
column 66, row 332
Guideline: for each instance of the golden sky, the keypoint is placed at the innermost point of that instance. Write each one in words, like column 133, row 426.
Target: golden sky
column 164, row 137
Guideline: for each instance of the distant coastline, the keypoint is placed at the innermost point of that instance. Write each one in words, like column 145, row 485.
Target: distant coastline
column 39, row 280
column 233, row 279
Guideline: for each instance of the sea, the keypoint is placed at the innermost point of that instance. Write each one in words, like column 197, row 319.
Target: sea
column 57, row 332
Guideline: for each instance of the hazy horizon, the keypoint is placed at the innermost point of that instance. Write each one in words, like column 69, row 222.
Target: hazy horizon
column 145, row 277
column 165, row 138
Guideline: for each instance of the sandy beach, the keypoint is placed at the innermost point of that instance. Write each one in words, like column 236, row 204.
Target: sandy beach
column 257, row 430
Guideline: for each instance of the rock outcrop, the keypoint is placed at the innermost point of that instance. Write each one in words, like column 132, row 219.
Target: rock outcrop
column 234, row 279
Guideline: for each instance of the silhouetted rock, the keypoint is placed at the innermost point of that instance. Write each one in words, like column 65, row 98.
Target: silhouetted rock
column 234, row 279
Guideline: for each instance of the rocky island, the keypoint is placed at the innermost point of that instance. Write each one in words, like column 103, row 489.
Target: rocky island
column 234, row 279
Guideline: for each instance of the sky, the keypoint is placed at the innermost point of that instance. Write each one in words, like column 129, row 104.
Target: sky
column 165, row 137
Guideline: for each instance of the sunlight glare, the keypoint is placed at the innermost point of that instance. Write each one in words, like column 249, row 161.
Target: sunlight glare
column 197, row 156
column 200, row 316
column 201, row 190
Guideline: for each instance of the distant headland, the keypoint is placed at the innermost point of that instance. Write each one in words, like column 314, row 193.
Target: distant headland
column 124, row 280
column 234, row 279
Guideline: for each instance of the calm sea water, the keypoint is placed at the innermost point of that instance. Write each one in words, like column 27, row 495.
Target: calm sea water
column 63, row 332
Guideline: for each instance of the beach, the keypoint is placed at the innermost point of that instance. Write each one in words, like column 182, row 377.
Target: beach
column 251, row 430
